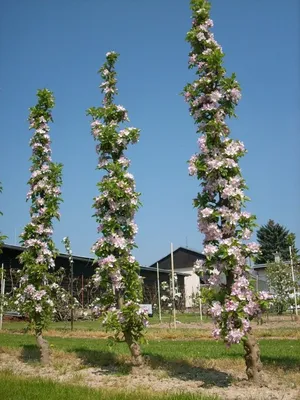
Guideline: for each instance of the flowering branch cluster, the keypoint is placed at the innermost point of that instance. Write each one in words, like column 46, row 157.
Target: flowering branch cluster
column 67, row 243
column 37, row 285
column 167, row 288
column 212, row 98
column 117, row 271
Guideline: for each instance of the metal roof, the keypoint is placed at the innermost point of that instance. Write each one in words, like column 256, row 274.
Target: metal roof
column 90, row 259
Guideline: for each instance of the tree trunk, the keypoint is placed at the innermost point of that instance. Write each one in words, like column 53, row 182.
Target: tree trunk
column 43, row 346
column 252, row 358
column 135, row 350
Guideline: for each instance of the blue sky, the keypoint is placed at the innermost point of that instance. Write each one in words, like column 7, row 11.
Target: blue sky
column 61, row 45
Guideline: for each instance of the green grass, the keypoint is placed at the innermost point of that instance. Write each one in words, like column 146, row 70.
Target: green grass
column 60, row 326
column 283, row 353
column 186, row 318
column 16, row 388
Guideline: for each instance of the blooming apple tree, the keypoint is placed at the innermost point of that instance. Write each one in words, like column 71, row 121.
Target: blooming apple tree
column 167, row 297
column 212, row 97
column 38, row 285
column 117, row 271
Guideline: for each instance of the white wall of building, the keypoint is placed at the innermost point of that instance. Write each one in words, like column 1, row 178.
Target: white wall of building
column 191, row 285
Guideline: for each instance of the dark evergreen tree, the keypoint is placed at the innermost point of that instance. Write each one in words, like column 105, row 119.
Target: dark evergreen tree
column 275, row 238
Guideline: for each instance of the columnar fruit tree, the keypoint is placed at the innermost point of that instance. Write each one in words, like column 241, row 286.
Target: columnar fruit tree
column 38, row 287
column 212, row 98
column 117, row 271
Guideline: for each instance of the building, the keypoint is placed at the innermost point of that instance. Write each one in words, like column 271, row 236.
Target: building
column 184, row 260
column 83, row 270
column 258, row 271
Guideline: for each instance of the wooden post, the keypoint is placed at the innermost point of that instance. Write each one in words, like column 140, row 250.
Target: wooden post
column 72, row 294
column 2, row 285
column 293, row 278
column 82, row 293
column 173, row 287
column 200, row 300
column 158, row 292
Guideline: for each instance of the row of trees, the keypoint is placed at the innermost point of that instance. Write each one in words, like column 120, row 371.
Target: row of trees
column 117, row 271
column 227, row 227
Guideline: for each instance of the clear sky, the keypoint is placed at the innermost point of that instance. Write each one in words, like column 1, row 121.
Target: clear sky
column 60, row 44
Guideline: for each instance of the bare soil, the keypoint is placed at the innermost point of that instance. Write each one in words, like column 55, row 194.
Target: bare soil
column 205, row 377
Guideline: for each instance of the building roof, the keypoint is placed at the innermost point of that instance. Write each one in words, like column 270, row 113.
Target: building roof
column 183, row 249
column 86, row 259
column 263, row 266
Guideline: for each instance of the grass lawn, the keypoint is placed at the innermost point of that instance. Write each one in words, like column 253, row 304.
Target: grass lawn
column 16, row 388
column 186, row 318
column 282, row 353
column 275, row 328
column 88, row 368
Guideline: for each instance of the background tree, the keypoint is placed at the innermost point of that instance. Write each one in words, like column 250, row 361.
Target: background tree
column 281, row 284
column 212, row 98
column 275, row 238
column 38, row 283
column 117, row 271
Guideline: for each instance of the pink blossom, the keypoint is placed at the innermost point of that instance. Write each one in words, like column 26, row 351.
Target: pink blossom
column 251, row 308
column 246, row 325
column 198, row 266
column 263, row 295
column 231, row 305
column 212, row 232
column 234, row 336
column 246, row 214
column 201, row 65
column 206, row 212
column 253, row 247
column 210, row 249
column 216, row 309
column 187, row 95
column 201, row 36
column 215, row 96
column 193, row 59
column 214, row 163
column 216, row 333
column 246, row 234
column 235, row 95
column 192, row 168
column 234, row 148
column 206, row 52
column 202, row 144
column 209, row 106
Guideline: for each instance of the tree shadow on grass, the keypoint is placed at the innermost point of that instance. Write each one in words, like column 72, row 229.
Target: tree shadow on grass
column 30, row 353
column 182, row 369
column 106, row 360
column 286, row 363
column 110, row 363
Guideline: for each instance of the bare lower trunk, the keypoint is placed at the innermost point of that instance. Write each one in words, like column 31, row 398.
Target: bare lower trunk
column 252, row 358
column 135, row 350
column 43, row 345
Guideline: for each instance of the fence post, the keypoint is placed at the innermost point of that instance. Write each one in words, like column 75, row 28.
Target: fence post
column 158, row 292
column 2, row 291
column 82, row 293
column 173, row 287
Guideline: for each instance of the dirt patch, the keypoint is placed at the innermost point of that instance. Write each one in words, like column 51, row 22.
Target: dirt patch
column 210, row 377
